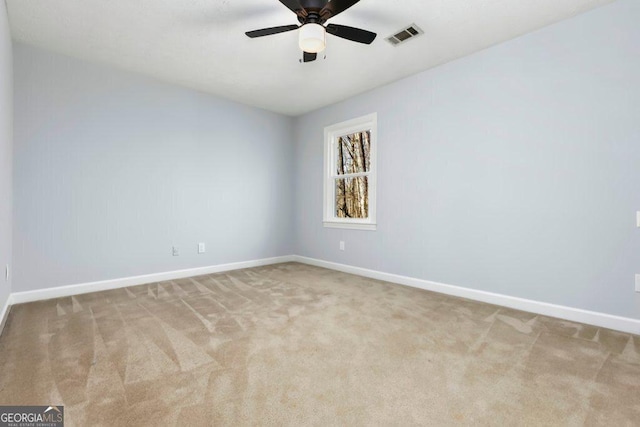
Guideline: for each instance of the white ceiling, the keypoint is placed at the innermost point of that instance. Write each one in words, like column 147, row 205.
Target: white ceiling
column 201, row 43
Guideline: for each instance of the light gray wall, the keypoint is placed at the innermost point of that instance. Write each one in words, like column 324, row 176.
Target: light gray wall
column 515, row 170
column 6, row 150
column 113, row 168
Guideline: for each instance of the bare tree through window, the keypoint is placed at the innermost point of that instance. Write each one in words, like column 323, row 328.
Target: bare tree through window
column 353, row 165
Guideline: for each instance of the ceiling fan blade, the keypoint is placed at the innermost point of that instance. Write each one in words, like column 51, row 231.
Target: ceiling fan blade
column 308, row 57
column 335, row 7
column 351, row 33
column 270, row 31
column 295, row 7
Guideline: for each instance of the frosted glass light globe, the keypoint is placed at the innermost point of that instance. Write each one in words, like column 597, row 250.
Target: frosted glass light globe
column 312, row 38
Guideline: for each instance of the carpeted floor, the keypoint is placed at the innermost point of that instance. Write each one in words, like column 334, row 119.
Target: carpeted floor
column 291, row 344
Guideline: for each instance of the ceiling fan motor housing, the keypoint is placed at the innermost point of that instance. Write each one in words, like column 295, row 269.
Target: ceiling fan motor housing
column 311, row 18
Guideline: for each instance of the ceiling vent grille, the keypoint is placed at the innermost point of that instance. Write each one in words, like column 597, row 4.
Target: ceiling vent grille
column 405, row 34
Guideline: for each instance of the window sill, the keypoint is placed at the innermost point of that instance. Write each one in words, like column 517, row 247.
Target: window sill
column 351, row 225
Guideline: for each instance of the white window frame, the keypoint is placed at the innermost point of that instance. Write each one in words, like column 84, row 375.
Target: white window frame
column 331, row 135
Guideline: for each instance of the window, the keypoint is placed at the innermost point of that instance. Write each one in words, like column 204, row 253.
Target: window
column 350, row 174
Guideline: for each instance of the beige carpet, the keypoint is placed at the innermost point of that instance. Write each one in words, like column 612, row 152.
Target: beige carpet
column 292, row 344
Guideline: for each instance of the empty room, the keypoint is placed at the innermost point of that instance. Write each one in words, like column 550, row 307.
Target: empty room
column 319, row 212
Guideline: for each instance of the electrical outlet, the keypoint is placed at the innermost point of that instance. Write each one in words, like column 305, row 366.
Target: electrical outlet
column 201, row 248
column 637, row 282
column 175, row 251
column 638, row 219
column 6, row 273
column 341, row 245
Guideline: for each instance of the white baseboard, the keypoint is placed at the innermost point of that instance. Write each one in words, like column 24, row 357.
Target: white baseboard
column 104, row 285
column 624, row 324
column 604, row 320
column 4, row 313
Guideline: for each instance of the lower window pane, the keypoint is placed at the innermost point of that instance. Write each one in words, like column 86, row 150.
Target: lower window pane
column 352, row 197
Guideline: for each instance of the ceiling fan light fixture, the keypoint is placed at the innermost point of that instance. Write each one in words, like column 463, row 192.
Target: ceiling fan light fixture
column 312, row 38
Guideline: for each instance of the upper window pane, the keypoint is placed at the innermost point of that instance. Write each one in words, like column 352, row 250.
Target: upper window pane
column 354, row 153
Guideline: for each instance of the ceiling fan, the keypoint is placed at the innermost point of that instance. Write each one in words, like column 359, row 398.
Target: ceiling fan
column 312, row 14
